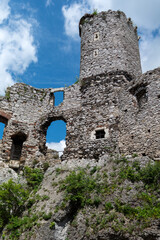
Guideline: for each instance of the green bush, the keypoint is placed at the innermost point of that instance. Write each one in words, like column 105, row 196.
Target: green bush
column 150, row 174
column 45, row 166
column 78, row 188
column 130, row 173
column 12, row 199
column 17, row 225
column 95, row 12
column 34, row 177
column 108, row 207
column 52, row 225
column 47, row 216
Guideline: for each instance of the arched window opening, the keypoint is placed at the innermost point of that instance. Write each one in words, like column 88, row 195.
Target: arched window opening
column 2, row 126
column 58, row 98
column 17, row 144
column 56, row 134
column 140, row 92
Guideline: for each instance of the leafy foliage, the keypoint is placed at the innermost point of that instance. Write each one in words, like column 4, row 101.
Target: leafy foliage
column 95, row 12
column 17, row 224
column 34, row 177
column 78, row 187
column 12, row 198
column 151, row 174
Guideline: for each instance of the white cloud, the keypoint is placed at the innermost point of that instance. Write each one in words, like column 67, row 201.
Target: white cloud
column 58, row 146
column 4, row 10
column 150, row 51
column 100, row 5
column 72, row 15
column 145, row 14
column 49, row 2
column 17, row 49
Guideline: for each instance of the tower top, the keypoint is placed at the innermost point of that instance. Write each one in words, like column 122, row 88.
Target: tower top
column 109, row 42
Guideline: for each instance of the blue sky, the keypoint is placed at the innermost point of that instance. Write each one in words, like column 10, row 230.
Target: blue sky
column 40, row 46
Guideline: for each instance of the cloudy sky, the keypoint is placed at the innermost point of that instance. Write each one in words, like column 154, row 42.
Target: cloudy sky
column 40, row 46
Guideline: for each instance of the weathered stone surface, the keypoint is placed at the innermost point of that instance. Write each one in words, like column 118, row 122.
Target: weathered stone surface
column 109, row 42
column 114, row 100
column 7, row 173
column 67, row 227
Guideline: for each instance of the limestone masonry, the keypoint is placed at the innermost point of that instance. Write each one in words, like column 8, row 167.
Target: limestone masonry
column 113, row 108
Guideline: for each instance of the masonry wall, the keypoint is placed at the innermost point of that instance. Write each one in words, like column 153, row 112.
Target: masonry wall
column 140, row 123
column 127, row 110
column 109, row 42
column 28, row 112
column 125, row 107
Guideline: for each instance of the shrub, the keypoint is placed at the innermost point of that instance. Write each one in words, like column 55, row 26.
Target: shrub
column 16, row 225
column 12, row 198
column 151, row 174
column 108, row 207
column 52, row 225
column 78, row 188
column 95, row 12
column 47, row 216
column 34, row 177
column 45, row 166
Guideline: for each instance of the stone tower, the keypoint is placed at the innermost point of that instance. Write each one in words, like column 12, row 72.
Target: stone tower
column 109, row 42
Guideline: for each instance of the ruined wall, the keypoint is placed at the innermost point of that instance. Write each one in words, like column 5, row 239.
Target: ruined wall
column 109, row 42
column 109, row 111
column 128, row 112
column 140, row 116
column 27, row 113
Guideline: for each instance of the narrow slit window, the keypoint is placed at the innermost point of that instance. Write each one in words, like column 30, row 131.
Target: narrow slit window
column 2, row 126
column 96, row 36
column 95, row 53
column 100, row 134
column 58, row 98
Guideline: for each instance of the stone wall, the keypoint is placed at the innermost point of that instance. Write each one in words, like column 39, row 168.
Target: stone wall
column 109, row 42
column 140, row 116
column 106, row 112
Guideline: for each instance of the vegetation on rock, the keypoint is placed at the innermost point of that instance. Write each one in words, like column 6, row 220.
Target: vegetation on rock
column 121, row 196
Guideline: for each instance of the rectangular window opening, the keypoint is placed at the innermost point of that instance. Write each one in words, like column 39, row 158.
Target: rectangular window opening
column 100, row 134
column 16, row 150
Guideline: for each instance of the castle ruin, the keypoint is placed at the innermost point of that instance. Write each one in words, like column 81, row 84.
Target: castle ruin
column 113, row 108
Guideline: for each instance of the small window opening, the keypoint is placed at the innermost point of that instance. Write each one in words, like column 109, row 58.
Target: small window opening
column 2, row 126
column 17, row 144
column 140, row 92
column 95, row 53
column 141, row 97
column 100, row 134
column 51, row 99
column 58, row 98
column 96, row 36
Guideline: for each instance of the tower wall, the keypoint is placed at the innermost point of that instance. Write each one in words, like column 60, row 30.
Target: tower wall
column 109, row 42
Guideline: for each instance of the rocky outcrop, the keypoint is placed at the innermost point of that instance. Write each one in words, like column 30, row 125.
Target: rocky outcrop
column 122, row 207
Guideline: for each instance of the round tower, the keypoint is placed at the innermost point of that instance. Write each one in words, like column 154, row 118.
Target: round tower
column 109, row 42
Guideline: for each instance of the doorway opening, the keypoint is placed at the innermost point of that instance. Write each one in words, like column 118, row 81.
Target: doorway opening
column 55, row 137
column 17, row 144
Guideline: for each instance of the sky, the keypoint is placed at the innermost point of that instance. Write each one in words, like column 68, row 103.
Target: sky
column 40, row 45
